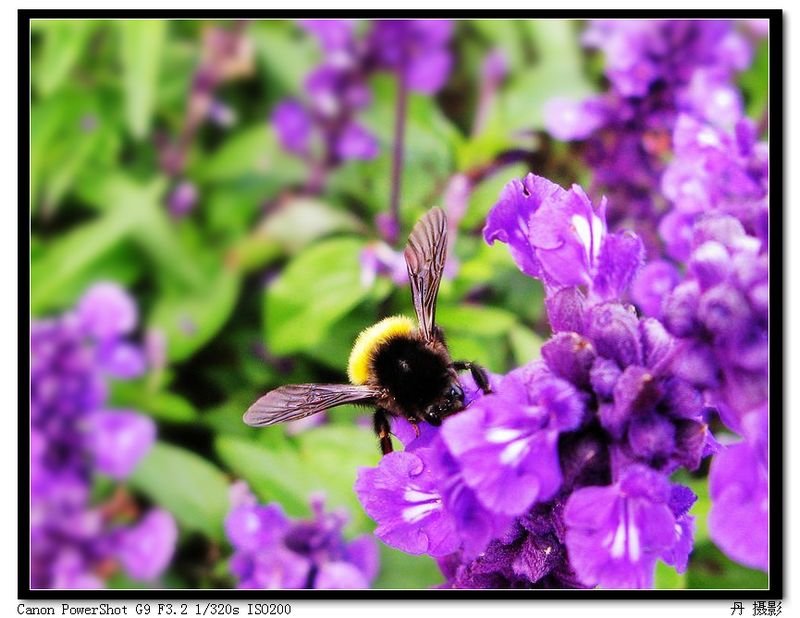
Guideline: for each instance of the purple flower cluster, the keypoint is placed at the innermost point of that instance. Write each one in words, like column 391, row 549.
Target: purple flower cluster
column 324, row 129
column 713, row 171
column 560, row 478
column 670, row 145
column 75, row 544
column 719, row 311
column 657, row 69
column 272, row 551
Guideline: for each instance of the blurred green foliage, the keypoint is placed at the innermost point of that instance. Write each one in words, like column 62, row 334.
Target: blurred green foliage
column 261, row 284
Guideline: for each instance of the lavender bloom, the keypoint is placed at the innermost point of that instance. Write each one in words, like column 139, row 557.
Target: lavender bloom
column 183, row 199
column 293, row 125
column 272, row 551
column 416, row 49
column 324, row 129
column 739, row 487
column 640, row 53
column 658, row 69
column 507, row 445
column 106, row 312
column 615, row 533
column 720, row 312
column 378, row 258
column 401, row 494
column 74, row 436
column 335, row 35
column 714, row 171
column 559, row 237
column 118, row 440
column 146, row 548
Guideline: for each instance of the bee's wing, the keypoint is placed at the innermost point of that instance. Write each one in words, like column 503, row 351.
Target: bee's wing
column 289, row 403
column 425, row 255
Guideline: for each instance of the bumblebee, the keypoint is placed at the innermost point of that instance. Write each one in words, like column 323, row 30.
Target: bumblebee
column 400, row 368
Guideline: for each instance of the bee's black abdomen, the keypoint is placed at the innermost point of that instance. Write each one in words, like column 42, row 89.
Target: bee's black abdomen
column 414, row 375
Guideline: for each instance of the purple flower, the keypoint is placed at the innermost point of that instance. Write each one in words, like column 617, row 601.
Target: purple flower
column 655, row 281
column 511, row 221
column 639, row 53
column 183, row 199
column 507, row 444
column 122, row 360
column 293, row 125
column 714, row 171
column 355, row 142
column 567, row 119
column 73, row 437
column 616, row 533
column 118, row 440
column 739, row 488
column 379, row 258
column 559, row 237
column 334, row 34
column 106, row 312
column 401, row 495
column 273, row 551
column 720, row 312
column 146, row 548
column 416, row 49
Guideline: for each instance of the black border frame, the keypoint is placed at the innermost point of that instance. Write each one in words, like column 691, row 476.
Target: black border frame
column 777, row 348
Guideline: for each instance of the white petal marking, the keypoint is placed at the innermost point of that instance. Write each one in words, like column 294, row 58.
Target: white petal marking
column 618, row 545
column 414, row 513
column 514, row 452
column 498, row 435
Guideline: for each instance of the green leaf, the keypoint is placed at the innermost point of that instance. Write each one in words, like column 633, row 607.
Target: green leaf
column 401, row 570
column 709, row 568
column 667, row 578
column 190, row 319
column 252, row 151
column 274, row 475
column 332, row 455
column 485, row 194
column 526, row 345
column 69, row 133
column 490, row 353
column 285, row 58
column 185, row 484
column 558, row 72
column 475, row 319
column 161, row 405
column 141, row 44
column 318, row 287
column 153, row 232
column 301, row 221
column 64, row 42
column 69, row 257
column 755, row 82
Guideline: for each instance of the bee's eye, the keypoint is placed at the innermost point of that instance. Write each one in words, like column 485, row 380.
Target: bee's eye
column 455, row 393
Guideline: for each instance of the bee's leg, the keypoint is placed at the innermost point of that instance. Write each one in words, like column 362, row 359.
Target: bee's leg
column 477, row 372
column 381, row 424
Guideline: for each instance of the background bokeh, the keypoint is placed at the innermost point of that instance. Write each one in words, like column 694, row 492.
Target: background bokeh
column 155, row 165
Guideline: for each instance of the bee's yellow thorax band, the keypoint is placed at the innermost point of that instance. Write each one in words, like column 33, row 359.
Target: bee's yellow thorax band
column 369, row 339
